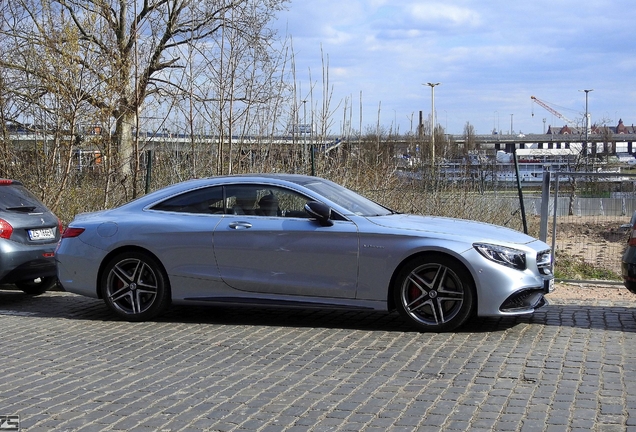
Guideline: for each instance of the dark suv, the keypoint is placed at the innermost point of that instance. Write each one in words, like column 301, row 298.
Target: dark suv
column 29, row 233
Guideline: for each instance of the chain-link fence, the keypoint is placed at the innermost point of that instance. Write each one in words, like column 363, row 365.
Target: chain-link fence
column 586, row 220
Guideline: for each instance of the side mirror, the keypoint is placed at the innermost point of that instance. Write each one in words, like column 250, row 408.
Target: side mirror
column 320, row 212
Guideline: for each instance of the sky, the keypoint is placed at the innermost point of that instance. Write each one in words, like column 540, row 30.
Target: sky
column 489, row 56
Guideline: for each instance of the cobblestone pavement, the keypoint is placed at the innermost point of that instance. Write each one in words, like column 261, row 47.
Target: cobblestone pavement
column 69, row 365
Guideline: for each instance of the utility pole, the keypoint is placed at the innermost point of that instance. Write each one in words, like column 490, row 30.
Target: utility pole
column 304, row 131
column 587, row 117
column 432, row 86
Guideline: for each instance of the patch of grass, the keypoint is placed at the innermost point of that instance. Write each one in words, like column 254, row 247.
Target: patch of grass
column 569, row 267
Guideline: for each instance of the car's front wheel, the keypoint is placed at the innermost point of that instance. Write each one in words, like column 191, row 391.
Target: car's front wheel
column 434, row 293
column 631, row 287
column 37, row 286
column 134, row 286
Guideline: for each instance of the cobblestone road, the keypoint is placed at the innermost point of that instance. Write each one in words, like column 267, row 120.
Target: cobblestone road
column 68, row 365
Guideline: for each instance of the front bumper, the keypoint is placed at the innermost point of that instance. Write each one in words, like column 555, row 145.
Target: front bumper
column 628, row 269
column 529, row 299
column 524, row 301
column 503, row 291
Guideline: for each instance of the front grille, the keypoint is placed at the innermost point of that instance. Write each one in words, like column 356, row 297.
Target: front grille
column 524, row 300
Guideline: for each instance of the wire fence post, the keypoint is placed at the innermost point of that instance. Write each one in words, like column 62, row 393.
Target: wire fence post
column 545, row 206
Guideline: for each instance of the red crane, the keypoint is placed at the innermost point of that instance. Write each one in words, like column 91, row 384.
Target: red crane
column 553, row 111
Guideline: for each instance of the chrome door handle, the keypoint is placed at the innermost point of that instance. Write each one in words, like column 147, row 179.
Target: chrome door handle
column 240, row 225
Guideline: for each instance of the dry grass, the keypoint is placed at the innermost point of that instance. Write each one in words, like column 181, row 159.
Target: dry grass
column 591, row 246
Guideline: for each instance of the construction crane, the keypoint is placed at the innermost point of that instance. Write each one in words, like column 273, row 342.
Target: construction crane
column 553, row 111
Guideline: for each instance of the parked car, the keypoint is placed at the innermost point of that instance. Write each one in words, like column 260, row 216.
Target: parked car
column 628, row 262
column 298, row 241
column 29, row 233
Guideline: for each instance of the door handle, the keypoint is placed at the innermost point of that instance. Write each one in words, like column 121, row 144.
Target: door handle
column 240, row 225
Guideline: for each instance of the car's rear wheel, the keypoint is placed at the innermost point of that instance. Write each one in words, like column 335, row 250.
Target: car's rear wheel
column 37, row 286
column 434, row 293
column 134, row 286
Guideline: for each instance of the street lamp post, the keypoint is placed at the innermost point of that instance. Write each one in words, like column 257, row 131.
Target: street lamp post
column 304, row 131
column 587, row 118
column 432, row 86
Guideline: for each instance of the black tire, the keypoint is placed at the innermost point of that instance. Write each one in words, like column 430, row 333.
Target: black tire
column 434, row 293
column 135, row 286
column 37, row 286
column 631, row 287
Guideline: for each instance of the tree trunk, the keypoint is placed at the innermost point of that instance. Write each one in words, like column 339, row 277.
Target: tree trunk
column 124, row 147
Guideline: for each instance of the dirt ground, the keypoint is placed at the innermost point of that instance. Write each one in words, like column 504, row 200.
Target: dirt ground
column 597, row 240
column 574, row 291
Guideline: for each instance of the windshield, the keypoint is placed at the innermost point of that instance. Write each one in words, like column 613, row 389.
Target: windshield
column 348, row 199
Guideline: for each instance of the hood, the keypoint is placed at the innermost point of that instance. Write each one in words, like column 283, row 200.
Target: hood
column 449, row 227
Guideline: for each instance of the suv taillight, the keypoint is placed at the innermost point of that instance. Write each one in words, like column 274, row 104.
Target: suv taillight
column 632, row 237
column 5, row 229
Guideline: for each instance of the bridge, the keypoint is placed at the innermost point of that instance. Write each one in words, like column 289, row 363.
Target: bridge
column 618, row 143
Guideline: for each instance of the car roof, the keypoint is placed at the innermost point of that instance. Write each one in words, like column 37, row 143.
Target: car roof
column 300, row 179
column 165, row 192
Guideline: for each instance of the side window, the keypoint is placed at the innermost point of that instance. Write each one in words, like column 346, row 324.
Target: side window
column 263, row 200
column 292, row 204
column 242, row 199
column 200, row 201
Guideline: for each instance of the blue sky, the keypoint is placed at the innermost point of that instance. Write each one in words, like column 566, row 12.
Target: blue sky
column 490, row 57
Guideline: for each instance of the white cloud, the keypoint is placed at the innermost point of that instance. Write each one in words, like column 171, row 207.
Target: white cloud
column 444, row 14
column 490, row 55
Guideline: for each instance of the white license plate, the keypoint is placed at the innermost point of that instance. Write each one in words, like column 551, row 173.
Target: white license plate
column 549, row 286
column 42, row 234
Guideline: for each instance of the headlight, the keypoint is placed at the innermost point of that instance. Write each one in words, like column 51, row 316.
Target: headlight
column 502, row 255
column 544, row 262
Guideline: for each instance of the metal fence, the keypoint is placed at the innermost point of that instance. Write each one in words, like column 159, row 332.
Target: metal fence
column 585, row 217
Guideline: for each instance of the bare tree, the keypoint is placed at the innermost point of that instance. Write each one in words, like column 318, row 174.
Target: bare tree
column 470, row 143
column 130, row 50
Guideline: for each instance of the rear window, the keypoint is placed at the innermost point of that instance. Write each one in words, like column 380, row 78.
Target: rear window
column 16, row 197
column 199, row 201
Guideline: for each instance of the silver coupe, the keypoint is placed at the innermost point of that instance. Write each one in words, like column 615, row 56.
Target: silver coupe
column 298, row 241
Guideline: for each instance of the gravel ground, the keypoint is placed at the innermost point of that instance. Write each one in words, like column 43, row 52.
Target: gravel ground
column 579, row 291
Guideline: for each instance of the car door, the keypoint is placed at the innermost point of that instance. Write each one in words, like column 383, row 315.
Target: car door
column 285, row 252
column 187, row 249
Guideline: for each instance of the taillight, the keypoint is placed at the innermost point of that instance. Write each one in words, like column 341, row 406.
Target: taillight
column 5, row 229
column 70, row 232
column 632, row 237
column 60, row 227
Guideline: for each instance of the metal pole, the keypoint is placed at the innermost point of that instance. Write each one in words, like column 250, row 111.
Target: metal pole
column 587, row 121
column 149, row 154
column 520, row 192
column 545, row 206
column 304, row 131
column 554, row 217
column 432, row 86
